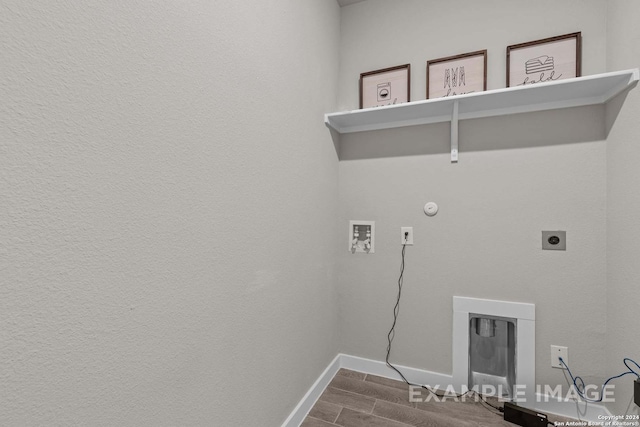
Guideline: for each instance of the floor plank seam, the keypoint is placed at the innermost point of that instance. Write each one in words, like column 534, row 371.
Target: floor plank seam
column 320, row 420
column 355, row 395
column 338, row 416
column 390, row 419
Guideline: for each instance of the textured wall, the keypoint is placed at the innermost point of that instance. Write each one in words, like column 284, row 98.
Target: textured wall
column 623, row 203
column 517, row 175
column 163, row 260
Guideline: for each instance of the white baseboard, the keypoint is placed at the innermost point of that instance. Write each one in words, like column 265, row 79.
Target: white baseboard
column 376, row 367
column 304, row 406
column 583, row 411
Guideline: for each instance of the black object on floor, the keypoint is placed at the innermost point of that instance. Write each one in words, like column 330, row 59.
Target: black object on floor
column 523, row 416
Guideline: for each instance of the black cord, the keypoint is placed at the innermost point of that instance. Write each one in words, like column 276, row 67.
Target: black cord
column 497, row 408
column 396, row 311
column 392, row 333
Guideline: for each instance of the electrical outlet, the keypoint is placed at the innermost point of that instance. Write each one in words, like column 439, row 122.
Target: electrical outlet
column 557, row 352
column 407, row 239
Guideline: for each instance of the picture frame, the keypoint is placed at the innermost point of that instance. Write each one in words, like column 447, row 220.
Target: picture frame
column 545, row 60
column 457, row 75
column 387, row 86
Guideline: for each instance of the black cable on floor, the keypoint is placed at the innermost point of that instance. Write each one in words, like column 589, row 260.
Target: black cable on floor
column 391, row 335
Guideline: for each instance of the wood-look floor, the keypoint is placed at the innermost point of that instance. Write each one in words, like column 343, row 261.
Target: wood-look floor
column 354, row 399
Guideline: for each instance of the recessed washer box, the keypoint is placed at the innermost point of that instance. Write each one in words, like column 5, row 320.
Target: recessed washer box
column 554, row 240
column 362, row 236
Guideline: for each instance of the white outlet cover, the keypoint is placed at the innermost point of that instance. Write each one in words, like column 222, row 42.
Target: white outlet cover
column 559, row 351
column 409, row 239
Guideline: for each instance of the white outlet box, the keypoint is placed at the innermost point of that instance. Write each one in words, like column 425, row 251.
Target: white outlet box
column 362, row 236
column 557, row 352
column 409, row 238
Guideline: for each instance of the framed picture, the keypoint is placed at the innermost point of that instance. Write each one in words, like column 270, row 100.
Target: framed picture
column 385, row 87
column 546, row 60
column 455, row 75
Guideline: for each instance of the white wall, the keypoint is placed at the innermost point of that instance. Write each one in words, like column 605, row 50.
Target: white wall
column 623, row 204
column 163, row 259
column 517, row 175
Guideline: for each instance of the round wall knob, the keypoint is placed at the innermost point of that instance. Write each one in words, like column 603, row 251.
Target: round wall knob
column 431, row 209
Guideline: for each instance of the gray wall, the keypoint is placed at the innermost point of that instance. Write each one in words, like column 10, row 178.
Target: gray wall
column 169, row 198
column 517, row 175
column 623, row 204
column 163, row 258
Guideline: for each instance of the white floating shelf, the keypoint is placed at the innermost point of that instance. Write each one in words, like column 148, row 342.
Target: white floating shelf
column 579, row 91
